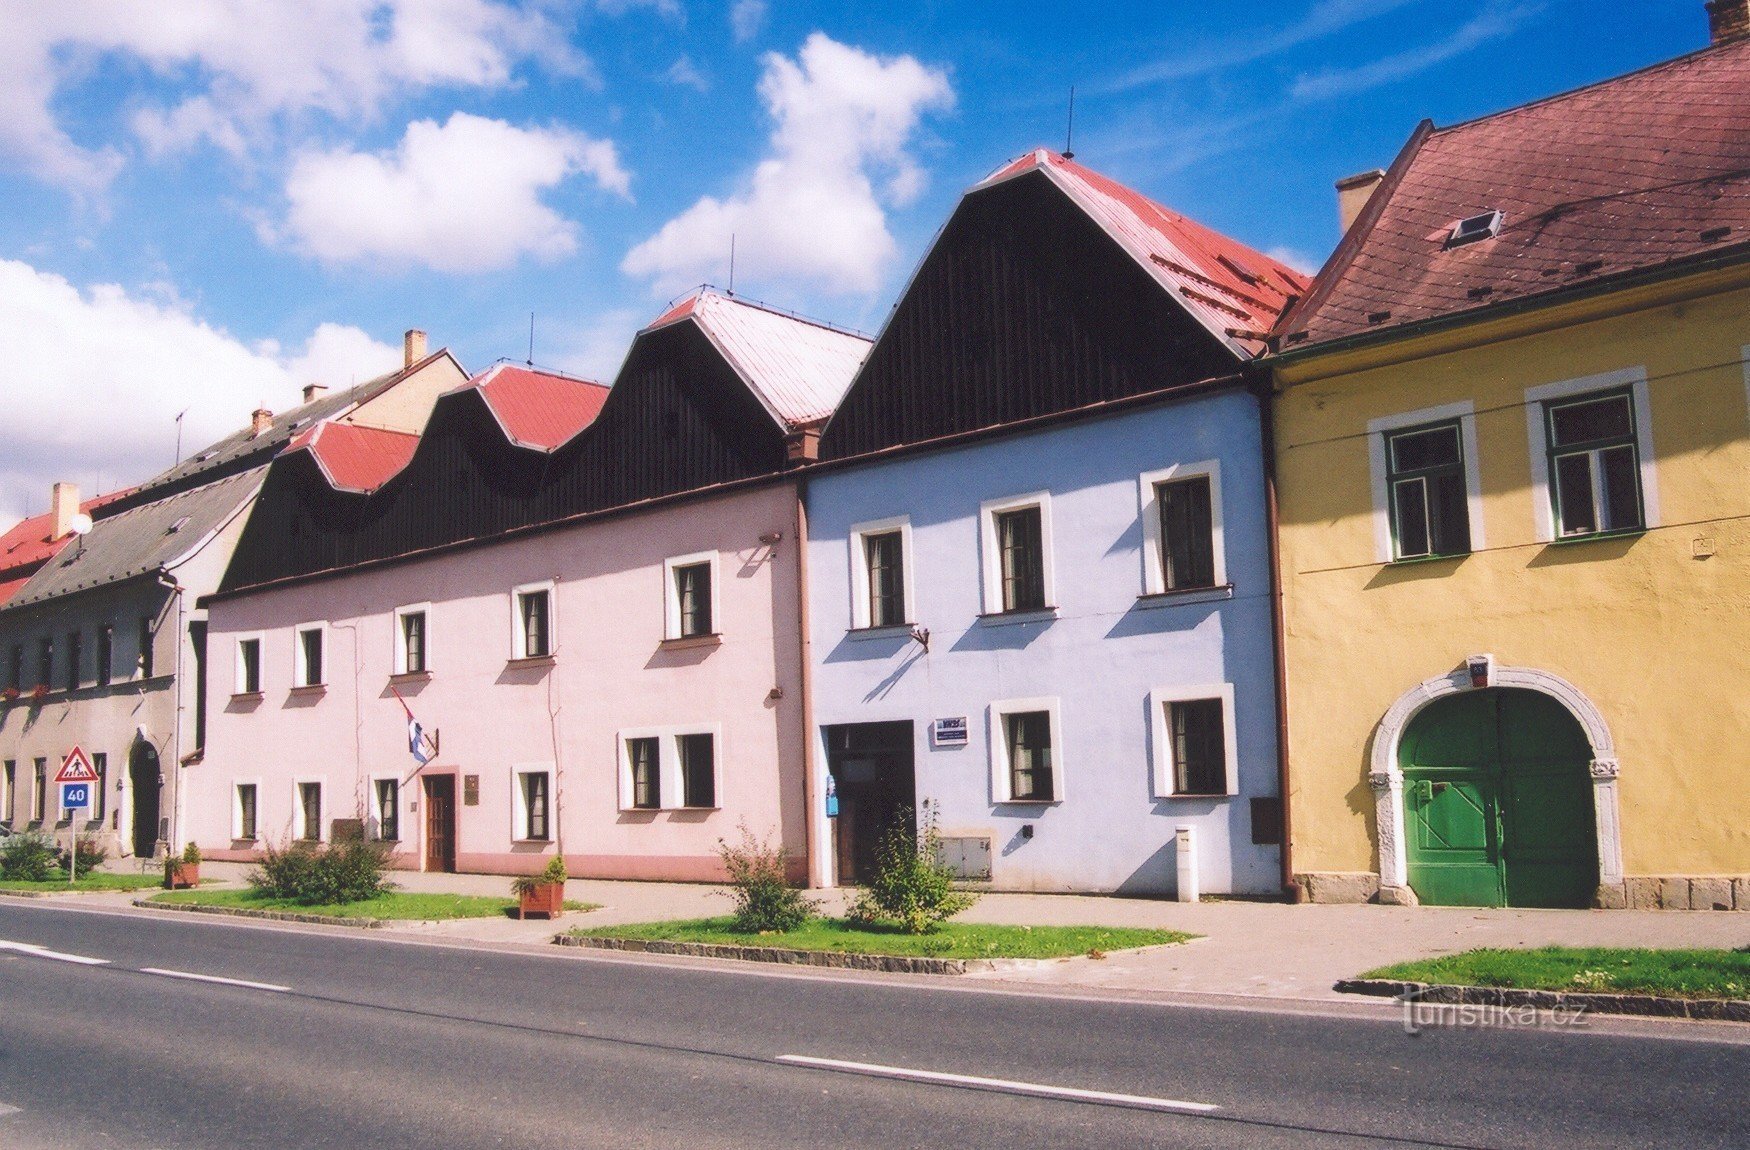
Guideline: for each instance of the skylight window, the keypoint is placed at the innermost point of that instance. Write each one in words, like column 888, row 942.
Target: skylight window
column 1479, row 227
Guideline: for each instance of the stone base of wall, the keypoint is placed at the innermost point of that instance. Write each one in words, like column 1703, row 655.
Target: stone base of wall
column 1663, row 892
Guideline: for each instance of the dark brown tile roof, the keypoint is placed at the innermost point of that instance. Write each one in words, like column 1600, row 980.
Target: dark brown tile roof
column 1628, row 175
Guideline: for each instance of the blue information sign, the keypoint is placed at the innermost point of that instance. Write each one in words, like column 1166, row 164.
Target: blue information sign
column 75, row 796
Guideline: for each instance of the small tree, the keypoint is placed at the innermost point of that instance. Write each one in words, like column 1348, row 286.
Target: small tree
column 86, row 851
column 764, row 898
column 910, row 887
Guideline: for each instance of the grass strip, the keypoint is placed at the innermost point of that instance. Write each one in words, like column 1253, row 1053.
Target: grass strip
column 953, row 940
column 396, row 905
column 1588, row 970
column 95, row 880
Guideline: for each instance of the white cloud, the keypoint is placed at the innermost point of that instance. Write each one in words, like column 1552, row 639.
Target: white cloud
column 811, row 212
column 684, row 71
column 669, row 10
column 231, row 69
column 1493, row 22
column 746, row 18
column 460, row 197
column 109, row 370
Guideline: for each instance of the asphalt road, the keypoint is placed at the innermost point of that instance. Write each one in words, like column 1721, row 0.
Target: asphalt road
column 361, row 1041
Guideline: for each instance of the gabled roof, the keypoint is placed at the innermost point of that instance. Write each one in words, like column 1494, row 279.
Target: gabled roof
column 353, row 458
column 141, row 539
column 28, row 543
column 798, row 368
column 1234, row 291
column 242, row 448
column 1625, row 176
column 541, row 410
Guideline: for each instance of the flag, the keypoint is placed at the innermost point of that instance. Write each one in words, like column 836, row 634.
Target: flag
column 417, row 743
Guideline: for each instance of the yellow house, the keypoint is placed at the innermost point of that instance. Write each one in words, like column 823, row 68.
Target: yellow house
column 1512, row 445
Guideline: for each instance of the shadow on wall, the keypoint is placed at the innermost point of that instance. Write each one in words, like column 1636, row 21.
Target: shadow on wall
column 1156, row 619
column 1415, row 570
column 868, row 648
column 1129, row 541
column 1001, row 635
column 881, row 690
column 1585, row 550
column 1158, row 874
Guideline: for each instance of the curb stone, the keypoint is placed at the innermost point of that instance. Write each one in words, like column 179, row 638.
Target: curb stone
column 248, row 912
column 1642, row 1005
column 58, row 893
column 888, row 963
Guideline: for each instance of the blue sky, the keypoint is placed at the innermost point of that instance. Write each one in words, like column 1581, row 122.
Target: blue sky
column 210, row 203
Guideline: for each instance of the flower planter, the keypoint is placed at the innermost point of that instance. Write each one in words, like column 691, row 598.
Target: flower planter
column 182, row 876
column 546, row 898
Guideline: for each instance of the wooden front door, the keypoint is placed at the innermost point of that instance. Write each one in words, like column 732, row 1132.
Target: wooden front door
column 872, row 770
column 1498, row 802
column 440, row 823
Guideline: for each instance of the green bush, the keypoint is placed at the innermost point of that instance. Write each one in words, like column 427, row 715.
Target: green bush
column 349, row 871
column 910, row 887
column 87, row 852
column 526, row 883
column 764, row 898
column 28, row 857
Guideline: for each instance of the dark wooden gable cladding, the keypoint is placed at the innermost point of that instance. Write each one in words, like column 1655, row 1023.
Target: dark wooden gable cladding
column 1024, row 307
column 678, row 419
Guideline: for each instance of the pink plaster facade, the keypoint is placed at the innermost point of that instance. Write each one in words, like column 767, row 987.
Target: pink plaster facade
column 613, row 672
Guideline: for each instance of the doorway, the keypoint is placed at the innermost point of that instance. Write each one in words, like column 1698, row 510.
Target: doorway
column 872, row 772
column 145, row 781
column 440, row 823
column 1498, row 802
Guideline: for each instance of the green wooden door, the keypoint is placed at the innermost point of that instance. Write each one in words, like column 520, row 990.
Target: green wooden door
column 1498, row 802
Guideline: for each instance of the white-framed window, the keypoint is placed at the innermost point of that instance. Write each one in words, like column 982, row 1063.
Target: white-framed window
column 1026, row 744
column 246, row 676
column 1015, row 553
column 99, row 808
column 246, row 810
column 1592, row 462
column 1183, row 548
column 39, row 795
column 1426, row 483
column 532, row 802
column 386, row 808
column 308, row 652
column 532, row 621
column 412, row 639
column 690, row 606
column 670, row 768
column 9, row 792
column 881, row 573
column 309, row 814
column 1194, row 751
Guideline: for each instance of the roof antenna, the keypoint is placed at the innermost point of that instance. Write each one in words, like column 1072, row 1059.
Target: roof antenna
column 731, row 263
column 179, row 416
column 531, row 359
column 1069, row 134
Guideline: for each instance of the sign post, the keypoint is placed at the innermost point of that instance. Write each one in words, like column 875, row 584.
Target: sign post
column 75, row 777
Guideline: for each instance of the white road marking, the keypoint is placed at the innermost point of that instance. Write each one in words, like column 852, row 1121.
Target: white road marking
column 41, row 952
column 5, row 1110
column 1037, row 1090
column 215, row 978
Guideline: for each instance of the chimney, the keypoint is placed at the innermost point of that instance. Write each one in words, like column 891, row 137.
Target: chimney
column 312, row 390
column 1728, row 20
column 802, row 445
column 1353, row 192
column 63, row 505
column 259, row 421
column 412, row 347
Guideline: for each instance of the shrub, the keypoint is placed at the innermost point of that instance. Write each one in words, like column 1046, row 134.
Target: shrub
column 764, row 898
column 27, row 857
column 910, row 887
column 87, row 852
column 349, row 871
column 191, row 854
column 526, row 883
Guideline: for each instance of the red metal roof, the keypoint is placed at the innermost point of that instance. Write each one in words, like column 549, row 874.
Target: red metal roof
column 1627, row 175
column 798, row 368
column 354, row 458
column 28, row 545
column 539, row 409
column 1236, row 292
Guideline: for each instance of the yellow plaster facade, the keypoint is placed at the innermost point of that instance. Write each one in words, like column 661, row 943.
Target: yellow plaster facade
column 1653, row 629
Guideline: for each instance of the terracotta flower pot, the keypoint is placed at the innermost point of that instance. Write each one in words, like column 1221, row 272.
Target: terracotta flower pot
column 547, row 898
column 182, row 876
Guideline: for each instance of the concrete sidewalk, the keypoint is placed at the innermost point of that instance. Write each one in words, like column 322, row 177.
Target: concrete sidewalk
column 1250, row 948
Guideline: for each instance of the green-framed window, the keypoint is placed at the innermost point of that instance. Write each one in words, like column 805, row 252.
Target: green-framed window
column 1594, row 464
column 1425, row 486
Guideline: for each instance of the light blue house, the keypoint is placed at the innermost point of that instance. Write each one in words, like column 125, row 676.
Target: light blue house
column 1039, row 592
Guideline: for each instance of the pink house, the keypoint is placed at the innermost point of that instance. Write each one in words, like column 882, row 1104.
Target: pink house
column 588, row 600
